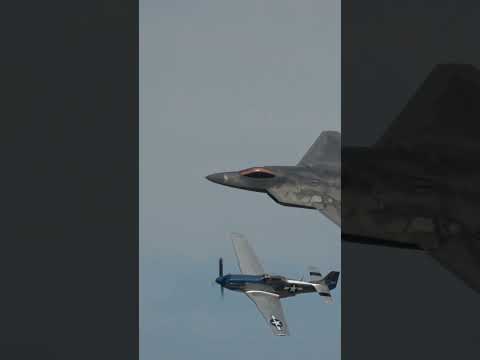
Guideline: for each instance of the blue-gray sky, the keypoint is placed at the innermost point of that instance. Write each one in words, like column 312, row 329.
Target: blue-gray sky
column 225, row 85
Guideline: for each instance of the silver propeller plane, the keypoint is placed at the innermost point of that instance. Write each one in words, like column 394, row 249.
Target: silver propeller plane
column 266, row 290
column 314, row 183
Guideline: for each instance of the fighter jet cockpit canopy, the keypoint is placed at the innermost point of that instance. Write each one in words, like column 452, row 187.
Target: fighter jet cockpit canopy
column 257, row 173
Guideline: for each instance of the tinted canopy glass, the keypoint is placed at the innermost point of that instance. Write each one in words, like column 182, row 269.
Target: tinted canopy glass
column 257, row 172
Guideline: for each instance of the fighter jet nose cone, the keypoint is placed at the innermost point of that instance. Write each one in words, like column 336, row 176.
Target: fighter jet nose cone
column 217, row 178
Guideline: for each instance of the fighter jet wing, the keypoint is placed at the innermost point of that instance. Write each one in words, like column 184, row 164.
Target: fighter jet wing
column 327, row 148
column 462, row 258
column 271, row 308
column 247, row 260
column 333, row 214
column 444, row 111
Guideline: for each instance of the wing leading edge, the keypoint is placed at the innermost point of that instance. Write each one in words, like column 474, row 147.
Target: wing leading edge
column 443, row 111
column 246, row 258
column 327, row 148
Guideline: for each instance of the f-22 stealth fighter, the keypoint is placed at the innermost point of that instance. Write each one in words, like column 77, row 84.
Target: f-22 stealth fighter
column 266, row 290
column 314, row 183
column 417, row 187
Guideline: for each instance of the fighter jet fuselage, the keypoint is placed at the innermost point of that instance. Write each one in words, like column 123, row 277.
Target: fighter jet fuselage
column 415, row 198
column 407, row 196
column 314, row 183
column 311, row 188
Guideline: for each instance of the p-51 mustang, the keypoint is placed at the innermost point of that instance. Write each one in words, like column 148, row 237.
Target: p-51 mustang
column 266, row 290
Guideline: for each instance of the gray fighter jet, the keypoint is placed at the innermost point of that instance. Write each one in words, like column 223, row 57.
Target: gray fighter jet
column 266, row 290
column 418, row 186
column 314, row 183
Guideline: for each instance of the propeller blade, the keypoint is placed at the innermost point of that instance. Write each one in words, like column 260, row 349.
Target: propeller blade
column 220, row 267
column 222, row 291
